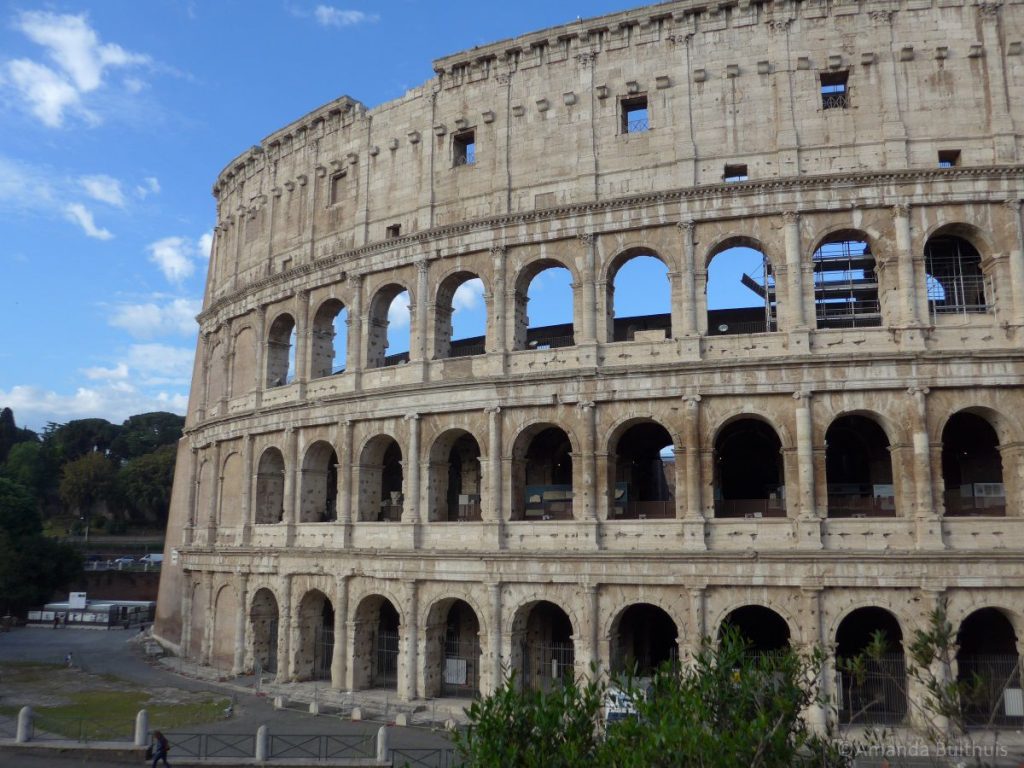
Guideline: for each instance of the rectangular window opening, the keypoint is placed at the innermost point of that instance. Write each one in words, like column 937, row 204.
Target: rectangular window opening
column 635, row 117
column 394, row 230
column 834, row 93
column 735, row 173
column 464, row 147
column 949, row 158
column 337, row 187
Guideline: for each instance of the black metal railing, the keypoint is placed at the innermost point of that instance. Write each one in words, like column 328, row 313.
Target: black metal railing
column 852, row 505
column 873, row 691
column 425, row 757
column 974, row 506
column 644, row 510
column 990, row 689
column 207, row 745
column 637, row 126
column 321, row 747
column 749, row 508
column 835, row 100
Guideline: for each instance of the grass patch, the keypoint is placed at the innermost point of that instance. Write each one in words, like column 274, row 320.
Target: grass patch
column 20, row 672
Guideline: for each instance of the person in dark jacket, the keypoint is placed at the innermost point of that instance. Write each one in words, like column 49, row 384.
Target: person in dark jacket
column 160, row 748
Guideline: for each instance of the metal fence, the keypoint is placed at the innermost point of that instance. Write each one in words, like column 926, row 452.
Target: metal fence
column 323, row 651
column 460, row 671
column 545, row 664
column 385, row 668
column 750, row 508
column 424, row 757
column 206, row 745
column 50, row 727
column 991, row 690
column 320, row 747
column 873, row 690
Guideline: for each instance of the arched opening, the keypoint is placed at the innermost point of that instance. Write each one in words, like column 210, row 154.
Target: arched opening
column 643, row 638
column 740, row 290
column 644, row 461
column 858, row 469
column 316, row 637
column 263, row 619
column 243, row 361
column 461, row 317
column 452, row 663
column 845, row 283
column 388, row 327
column 229, row 512
column 988, row 670
column 215, row 382
column 956, row 284
column 270, row 487
column 872, row 679
column 639, row 299
column 972, row 467
column 375, row 651
column 549, row 324
column 318, row 501
column 380, row 480
column 222, row 631
column 762, row 629
column 542, row 474
column 542, row 646
column 330, row 339
column 281, row 351
column 748, row 471
column 455, row 478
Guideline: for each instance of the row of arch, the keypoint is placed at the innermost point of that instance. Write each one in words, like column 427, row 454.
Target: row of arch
column 748, row 473
column 741, row 297
column 640, row 638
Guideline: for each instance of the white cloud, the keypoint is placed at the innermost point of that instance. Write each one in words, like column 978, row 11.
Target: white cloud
column 114, row 401
column 82, row 216
column 118, row 372
column 329, row 16
column 174, row 256
column 398, row 312
column 149, row 186
column 469, row 295
column 161, row 363
column 149, row 320
column 48, row 95
column 25, row 187
column 106, row 189
column 135, row 85
column 205, row 245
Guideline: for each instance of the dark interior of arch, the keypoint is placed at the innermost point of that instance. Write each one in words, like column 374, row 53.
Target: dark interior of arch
column 858, row 468
column 391, row 479
column 548, row 623
column 954, row 277
column 856, row 631
column 748, row 471
column 845, row 284
column 761, row 628
column 986, row 632
column 972, row 467
column 646, row 639
column 548, row 474
column 644, row 480
column 463, row 496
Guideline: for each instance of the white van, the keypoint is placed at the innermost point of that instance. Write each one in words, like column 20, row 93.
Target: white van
column 152, row 559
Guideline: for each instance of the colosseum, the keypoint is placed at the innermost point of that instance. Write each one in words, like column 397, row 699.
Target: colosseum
column 835, row 447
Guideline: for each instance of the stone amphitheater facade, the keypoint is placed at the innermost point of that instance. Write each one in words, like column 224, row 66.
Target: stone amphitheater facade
column 846, row 456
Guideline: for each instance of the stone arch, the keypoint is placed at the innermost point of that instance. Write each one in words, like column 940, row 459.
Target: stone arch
column 642, row 637
column 375, row 643
column 381, row 479
column 858, row 466
column 1007, row 427
column 542, row 472
column 225, row 611
column 845, row 281
column 315, row 640
column 764, row 628
column 980, row 239
column 232, row 487
column 318, row 494
column 264, row 617
column 543, row 644
column 874, row 691
column 987, row 664
column 243, row 361
column 377, row 325
column 269, row 501
column 280, row 350
column 452, row 658
column 972, row 465
column 624, row 328
column 525, row 337
column 454, row 477
column 445, row 345
column 749, row 473
column 326, row 358
column 641, row 482
column 727, row 315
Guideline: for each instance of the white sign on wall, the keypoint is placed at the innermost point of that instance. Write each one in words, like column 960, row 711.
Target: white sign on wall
column 76, row 600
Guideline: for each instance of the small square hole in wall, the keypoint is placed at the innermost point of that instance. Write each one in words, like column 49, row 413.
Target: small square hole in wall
column 464, row 148
column 949, row 158
column 337, row 187
column 394, row 230
column 834, row 93
column 736, row 172
column 635, row 118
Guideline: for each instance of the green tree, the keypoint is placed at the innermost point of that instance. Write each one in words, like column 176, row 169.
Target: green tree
column 10, row 435
column 79, row 437
column 86, row 481
column 146, row 432
column 144, row 485
column 29, row 465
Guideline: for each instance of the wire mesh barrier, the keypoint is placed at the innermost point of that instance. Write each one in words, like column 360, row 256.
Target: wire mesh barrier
column 385, row 673
column 636, row 126
column 749, row 508
column 840, row 100
column 50, row 727
column 871, row 690
column 461, row 659
column 991, row 690
column 8, row 727
column 323, row 651
column 860, row 505
column 958, row 505
column 321, row 747
column 547, row 664
column 423, row 757
column 206, row 745
column 466, row 350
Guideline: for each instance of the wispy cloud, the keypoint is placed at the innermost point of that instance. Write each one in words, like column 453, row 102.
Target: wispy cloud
column 469, row 295
column 329, row 16
column 114, row 400
column 151, row 319
column 398, row 312
column 176, row 256
column 149, row 186
column 82, row 216
column 106, row 189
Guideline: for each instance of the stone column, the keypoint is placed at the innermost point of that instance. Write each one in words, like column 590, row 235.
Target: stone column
column 588, row 470
column 188, row 586
column 808, row 525
column 339, row 659
column 492, row 511
column 411, row 505
column 284, row 632
column 226, row 364
column 688, row 292
column 1012, row 455
column 291, row 491
column 909, row 311
column 261, row 354
column 795, row 288
column 589, row 335
column 302, row 340
column 354, row 350
column 814, row 635
column 498, row 315
column 419, row 333
column 211, row 512
column 996, row 63
column 592, row 656
column 241, row 624
column 1016, row 259
column 204, row 375
column 346, row 489
column 410, row 636
column 694, row 519
column 928, row 526
column 494, row 637
column 247, row 475
column 692, row 635
column 207, row 650
column 188, row 533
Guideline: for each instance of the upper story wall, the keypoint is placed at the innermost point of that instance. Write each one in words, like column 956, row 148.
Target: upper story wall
column 729, row 84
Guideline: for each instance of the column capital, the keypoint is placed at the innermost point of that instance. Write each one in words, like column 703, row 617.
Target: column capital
column 692, row 401
column 585, row 405
column 1013, row 205
column 901, row 210
column 918, row 392
column 498, row 249
column 803, row 395
column 411, row 417
column 791, row 217
column 687, row 225
column 587, row 238
column 492, row 410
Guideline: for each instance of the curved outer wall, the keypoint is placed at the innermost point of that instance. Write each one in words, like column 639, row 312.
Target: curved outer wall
column 303, row 218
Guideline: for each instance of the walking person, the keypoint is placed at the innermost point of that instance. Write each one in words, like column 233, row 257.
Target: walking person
column 161, row 746
column 69, row 660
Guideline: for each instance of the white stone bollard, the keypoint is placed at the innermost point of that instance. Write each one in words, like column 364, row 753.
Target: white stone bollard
column 24, row 725
column 357, row 713
column 314, row 708
column 280, row 702
column 142, row 728
column 262, row 740
column 382, row 744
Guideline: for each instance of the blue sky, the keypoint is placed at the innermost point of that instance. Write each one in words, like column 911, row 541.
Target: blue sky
column 115, row 118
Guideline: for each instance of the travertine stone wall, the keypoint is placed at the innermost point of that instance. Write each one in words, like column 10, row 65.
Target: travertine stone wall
column 302, row 232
